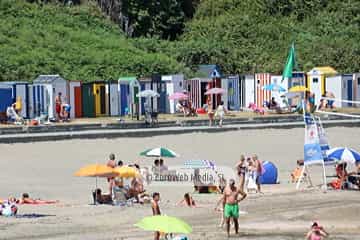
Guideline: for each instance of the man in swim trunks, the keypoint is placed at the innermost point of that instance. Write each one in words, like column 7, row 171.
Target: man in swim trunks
column 231, row 208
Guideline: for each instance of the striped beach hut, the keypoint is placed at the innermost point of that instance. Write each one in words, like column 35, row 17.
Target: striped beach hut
column 262, row 95
column 194, row 90
column 209, row 77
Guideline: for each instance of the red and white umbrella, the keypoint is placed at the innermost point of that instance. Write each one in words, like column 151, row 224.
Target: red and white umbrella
column 178, row 96
column 215, row 91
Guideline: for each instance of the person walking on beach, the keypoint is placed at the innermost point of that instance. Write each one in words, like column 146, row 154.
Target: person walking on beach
column 258, row 172
column 231, row 207
column 220, row 112
column 156, row 210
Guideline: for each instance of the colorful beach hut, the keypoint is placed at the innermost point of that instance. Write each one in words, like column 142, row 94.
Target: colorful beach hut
column 209, row 77
column 129, row 103
column 21, row 95
column 262, row 95
column 240, row 91
column 316, row 80
column 45, row 89
column 342, row 87
column 95, row 99
column 174, row 83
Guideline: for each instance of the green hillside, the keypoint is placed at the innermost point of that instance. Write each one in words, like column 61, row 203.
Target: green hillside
column 77, row 42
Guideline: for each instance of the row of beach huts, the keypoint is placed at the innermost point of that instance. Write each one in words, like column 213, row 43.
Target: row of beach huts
column 119, row 98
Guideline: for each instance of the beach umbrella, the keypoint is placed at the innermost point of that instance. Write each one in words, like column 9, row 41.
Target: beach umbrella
column 299, row 88
column 148, row 94
column 340, row 154
column 200, row 164
column 215, row 91
column 178, row 96
column 95, row 170
column 126, row 172
column 165, row 224
column 159, row 152
column 274, row 87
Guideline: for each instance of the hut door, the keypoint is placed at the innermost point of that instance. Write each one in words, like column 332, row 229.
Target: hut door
column 102, row 100
column 78, row 102
column 88, row 101
column 124, row 94
column 349, row 91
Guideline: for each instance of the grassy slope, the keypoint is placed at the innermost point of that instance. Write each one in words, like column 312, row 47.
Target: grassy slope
column 77, row 43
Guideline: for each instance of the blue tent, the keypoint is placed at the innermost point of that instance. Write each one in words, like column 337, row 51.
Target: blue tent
column 270, row 175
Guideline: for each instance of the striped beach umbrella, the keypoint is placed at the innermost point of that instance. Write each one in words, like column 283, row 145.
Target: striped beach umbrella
column 159, row 152
column 201, row 164
column 341, row 154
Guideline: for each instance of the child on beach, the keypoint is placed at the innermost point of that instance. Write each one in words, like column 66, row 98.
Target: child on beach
column 156, row 210
column 316, row 232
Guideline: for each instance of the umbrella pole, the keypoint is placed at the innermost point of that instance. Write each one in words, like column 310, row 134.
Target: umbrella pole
column 96, row 186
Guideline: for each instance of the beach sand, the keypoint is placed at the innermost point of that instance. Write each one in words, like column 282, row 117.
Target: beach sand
column 45, row 170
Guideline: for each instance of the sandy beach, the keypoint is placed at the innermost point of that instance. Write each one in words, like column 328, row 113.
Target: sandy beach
column 46, row 170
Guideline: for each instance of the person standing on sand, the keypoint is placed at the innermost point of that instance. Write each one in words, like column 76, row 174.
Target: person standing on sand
column 231, row 207
column 220, row 112
column 58, row 104
column 241, row 171
column 156, row 210
column 111, row 163
column 258, row 172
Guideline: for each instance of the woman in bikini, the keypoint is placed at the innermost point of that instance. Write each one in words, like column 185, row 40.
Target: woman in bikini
column 241, row 171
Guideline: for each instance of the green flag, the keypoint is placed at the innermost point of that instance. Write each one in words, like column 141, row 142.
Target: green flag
column 290, row 63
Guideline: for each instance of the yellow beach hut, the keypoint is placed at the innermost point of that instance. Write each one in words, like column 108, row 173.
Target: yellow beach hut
column 316, row 80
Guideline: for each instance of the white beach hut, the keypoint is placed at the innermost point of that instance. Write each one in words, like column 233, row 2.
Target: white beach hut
column 46, row 87
column 342, row 87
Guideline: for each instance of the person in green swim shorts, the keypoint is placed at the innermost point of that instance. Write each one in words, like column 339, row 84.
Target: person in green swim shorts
column 231, row 205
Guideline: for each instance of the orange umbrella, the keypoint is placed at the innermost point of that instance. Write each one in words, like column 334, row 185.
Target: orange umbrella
column 126, row 172
column 96, row 170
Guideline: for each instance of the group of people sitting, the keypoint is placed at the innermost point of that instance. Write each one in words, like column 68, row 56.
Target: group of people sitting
column 122, row 190
column 345, row 179
column 186, row 107
column 13, row 114
column 324, row 103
